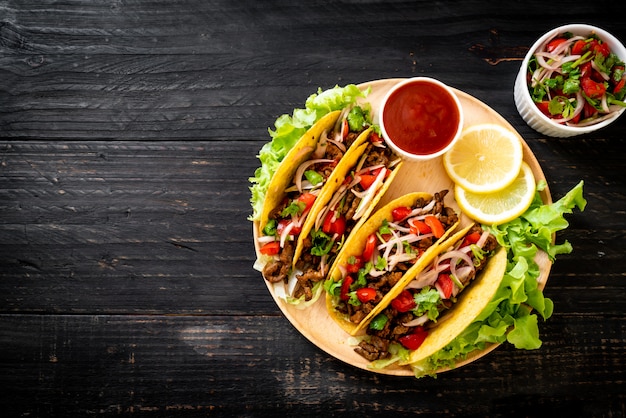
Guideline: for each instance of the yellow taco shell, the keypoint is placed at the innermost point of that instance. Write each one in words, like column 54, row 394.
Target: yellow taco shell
column 470, row 304
column 336, row 178
column 355, row 245
column 287, row 168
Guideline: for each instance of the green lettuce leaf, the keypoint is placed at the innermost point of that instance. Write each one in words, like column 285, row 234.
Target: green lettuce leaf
column 510, row 316
column 289, row 129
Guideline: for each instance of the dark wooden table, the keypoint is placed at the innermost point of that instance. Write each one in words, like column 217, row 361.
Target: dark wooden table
column 128, row 131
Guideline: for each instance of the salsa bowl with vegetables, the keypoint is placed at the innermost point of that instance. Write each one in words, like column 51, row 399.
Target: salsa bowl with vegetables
column 572, row 81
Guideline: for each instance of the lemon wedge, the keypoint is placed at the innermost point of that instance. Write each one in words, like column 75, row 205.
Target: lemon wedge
column 485, row 159
column 501, row 206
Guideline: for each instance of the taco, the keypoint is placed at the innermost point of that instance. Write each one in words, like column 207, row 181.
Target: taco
column 303, row 183
column 343, row 209
column 429, row 309
column 397, row 241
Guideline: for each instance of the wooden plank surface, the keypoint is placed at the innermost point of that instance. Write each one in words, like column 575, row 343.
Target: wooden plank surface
column 128, row 131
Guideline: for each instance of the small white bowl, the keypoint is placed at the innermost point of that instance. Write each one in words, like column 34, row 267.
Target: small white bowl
column 529, row 110
column 412, row 89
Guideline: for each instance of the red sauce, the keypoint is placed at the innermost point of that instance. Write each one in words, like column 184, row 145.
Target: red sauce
column 421, row 118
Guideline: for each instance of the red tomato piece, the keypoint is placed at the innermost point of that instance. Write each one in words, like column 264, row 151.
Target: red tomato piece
column 471, row 239
column 579, row 47
column 543, row 107
column 356, row 266
column 404, row 302
column 345, row 129
column 345, row 288
column 270, row 248
column 367, row 180
column 370, row 246
column 553, row 44
column 619, row 86
column 419, row 227
column 592, row 88
column 400, row 213
column 435, row 225
column 334, row 226
column 585, row 69
column 284, row 223
column 446, row 285
column 366, row 294
column 308, row 199
column 414, row 340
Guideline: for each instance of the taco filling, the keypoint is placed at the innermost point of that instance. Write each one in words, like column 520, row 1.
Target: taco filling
column 388, row 253
column 423, row 302
column 286, row 220
column 350, row 204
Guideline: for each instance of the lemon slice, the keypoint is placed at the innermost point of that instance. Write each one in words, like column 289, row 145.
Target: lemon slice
column 501, row 206
column 486, row 158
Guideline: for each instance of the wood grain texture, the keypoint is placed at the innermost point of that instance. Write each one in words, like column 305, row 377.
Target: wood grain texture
column 128, row 131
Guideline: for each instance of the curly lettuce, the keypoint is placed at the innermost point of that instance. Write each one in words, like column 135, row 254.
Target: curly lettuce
column 289, row 129
column 512, row 314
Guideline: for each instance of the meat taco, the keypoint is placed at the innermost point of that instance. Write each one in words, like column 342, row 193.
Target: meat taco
column 397, row 241
column 342, row 209
column 430, row 308
column 302, row 185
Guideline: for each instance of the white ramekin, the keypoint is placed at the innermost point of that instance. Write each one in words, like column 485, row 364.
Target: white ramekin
column 527, row 108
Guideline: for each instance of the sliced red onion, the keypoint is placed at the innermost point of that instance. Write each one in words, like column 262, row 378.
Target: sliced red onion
column 339, row 145
column 302, row 168
column 266, row 238
column 580, row 103
column 417, row 321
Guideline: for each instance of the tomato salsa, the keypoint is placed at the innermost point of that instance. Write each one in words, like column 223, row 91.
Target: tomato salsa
column 421, row 117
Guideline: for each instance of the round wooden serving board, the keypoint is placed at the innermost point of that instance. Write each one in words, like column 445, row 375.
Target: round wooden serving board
column 430, row 176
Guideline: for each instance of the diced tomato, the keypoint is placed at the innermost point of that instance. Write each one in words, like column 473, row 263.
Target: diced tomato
column 400, row 213
column 370, row 246
column 592, row 88
column 345, row 288
column 418, row 227
column 366, row 294
column 375, row 138
column 445, row 283
column 345, row 130
column 435, row 225
column 579, row 47
column 348, row 179
column 270, row 248
column 619, row 86
column 553, row 44
column 471, row 239
column 414, row 340
column 356, row 266
column 334, row 225
column 284, row 223
column 404, row 302
column 308, row 199
column 600, row 48
column 367, row 180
